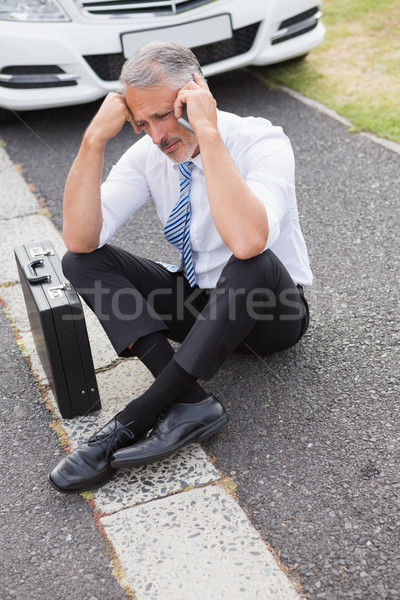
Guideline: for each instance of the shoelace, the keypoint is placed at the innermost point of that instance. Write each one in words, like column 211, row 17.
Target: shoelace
column 160, row 417
column 109, row 438
column 162, row 413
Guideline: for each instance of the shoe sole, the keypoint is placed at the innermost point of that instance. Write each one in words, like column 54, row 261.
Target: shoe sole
column 91, row 489
column 196, row 436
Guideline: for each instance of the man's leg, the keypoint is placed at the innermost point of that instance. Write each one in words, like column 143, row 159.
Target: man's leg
column 137, row 300
column 131, row 296
column 255, row 307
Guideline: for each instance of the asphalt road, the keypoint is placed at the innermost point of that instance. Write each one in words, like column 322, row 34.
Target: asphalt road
column 314, row 436
column 51, row 548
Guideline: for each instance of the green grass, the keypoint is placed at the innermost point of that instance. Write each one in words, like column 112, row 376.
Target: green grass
column 356, row 71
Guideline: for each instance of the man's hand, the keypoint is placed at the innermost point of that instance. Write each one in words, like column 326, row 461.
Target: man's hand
column 200, row 103
column 110, row 118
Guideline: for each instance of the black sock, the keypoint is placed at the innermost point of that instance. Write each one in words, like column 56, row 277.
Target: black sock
column 154, row 351
column 173, row 384
column 195, row 393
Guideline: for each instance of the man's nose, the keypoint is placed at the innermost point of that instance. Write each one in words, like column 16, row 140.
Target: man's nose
column 157, row 133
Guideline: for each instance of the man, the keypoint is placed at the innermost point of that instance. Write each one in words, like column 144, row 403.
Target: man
column 225, row 196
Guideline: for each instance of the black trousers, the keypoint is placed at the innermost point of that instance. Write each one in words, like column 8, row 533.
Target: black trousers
column 254, row 308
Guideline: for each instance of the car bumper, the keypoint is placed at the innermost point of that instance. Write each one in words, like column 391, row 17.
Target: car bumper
column 81, row 74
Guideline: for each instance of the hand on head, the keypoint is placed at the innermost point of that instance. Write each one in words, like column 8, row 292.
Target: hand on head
column 111, row 117
column 200, row 103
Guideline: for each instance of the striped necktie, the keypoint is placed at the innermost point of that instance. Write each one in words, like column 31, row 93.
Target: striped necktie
column 177, row 227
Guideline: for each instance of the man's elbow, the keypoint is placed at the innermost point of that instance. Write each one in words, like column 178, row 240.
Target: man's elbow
column 246, row 249
column 80, row 247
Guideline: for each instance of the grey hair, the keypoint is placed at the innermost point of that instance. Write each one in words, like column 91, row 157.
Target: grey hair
column 158, row 63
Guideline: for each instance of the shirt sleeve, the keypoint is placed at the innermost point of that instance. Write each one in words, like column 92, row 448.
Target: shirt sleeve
column 125, row 190
column 268, row 169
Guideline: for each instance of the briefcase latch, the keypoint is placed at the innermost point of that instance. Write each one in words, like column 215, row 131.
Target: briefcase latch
column 40, row 251
column 57, row 290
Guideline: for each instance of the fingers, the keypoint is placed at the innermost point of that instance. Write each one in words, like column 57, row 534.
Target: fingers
column 114, row 104
column 119, row 100
column 131, row 120
column 197, row 84
column 181, row 99
column 111, row 116
column 200, row 81
column 200, row 103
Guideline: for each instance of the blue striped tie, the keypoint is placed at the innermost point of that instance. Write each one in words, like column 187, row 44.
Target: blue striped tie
column 177, row 227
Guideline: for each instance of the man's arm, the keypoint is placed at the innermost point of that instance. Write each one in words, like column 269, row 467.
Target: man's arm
column 239, row 216
column 82, row 196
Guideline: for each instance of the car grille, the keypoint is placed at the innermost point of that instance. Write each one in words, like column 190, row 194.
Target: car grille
column 108, row 66
column 132, row 7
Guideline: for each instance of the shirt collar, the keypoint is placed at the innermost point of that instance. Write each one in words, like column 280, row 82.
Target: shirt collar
column 196, row 160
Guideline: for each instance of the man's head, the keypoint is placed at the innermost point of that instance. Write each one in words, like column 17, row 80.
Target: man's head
column 151, row 80
column 159, row 63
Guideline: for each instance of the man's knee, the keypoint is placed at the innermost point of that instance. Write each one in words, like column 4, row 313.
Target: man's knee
column 248, row 272
column 75, row 265
column 67, row 263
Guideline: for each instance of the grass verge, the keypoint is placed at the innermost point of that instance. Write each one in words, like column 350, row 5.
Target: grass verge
column 356, row 71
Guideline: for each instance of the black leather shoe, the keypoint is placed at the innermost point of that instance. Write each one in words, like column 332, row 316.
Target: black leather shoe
column 180, row 425
column 88, row 467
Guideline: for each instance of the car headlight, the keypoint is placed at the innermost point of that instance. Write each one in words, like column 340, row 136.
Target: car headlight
column 31, row 10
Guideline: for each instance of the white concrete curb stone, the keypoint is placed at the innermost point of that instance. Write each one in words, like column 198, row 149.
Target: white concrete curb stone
column 195, row 545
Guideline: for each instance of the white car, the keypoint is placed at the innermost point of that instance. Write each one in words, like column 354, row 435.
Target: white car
column 62, row 52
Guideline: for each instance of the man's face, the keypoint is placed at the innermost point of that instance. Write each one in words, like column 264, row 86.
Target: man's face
column 153, row 112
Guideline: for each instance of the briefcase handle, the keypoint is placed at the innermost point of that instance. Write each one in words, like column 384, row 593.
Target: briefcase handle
column 30, row 273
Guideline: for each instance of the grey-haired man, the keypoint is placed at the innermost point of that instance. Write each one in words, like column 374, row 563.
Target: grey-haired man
column 225, row 196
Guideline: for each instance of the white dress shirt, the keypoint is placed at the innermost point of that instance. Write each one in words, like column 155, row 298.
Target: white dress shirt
column 262, row 154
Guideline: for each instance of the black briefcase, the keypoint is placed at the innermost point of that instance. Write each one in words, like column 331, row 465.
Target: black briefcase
column 59, row 329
